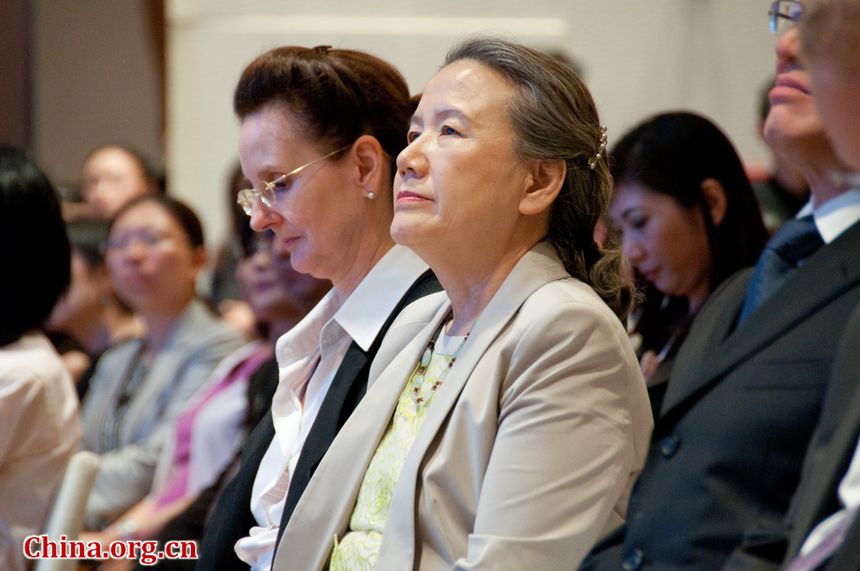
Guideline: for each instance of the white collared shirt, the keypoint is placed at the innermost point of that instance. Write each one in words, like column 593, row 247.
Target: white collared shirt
column 836, row 215
column 308, row 356
column 849, row 495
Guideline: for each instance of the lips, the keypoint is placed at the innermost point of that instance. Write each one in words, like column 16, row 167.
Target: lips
column 787, row 86
column 788, row 81
column 289, row 242
column 409, row 195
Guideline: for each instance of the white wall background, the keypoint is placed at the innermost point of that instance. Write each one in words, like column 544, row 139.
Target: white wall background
column 95, row 81
column 639, row 56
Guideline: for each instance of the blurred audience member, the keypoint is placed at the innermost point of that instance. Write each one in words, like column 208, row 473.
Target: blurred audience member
column 39, row 427
column 781, row 194
column 112, row 176
column 154, row 253
column 688, row 219
column 210, row 429
column 90, row 313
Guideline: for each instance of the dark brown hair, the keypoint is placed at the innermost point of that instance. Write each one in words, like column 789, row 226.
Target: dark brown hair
column 339, row 95
column 178, row 210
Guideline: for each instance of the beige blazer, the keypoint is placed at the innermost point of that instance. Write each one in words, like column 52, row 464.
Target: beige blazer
column 527, row 453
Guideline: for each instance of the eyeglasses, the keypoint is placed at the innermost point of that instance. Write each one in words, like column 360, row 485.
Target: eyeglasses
column 784, row 15
column 268, row 195
column 146, row 238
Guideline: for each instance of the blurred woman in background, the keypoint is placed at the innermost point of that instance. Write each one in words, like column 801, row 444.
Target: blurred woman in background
column 208, row 432
column 154, row 253
column 689, row 220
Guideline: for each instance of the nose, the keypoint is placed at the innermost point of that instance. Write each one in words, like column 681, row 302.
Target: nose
column 411, row 162
column 787, row 49
column 262, row 217
column 632, row 249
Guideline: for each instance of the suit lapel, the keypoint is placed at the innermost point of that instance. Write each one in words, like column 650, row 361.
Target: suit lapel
column 804, row 293
column 326, row 426
column 320, row 513
column 538, row 267
column 354, row 361
column 347, row 389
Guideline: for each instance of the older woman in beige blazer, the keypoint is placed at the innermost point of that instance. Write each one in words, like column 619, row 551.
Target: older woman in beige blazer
column 510, row 426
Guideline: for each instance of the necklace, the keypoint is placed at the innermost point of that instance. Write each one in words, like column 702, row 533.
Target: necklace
column 419, row 395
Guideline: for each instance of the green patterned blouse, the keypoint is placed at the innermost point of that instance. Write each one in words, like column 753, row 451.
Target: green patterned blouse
column 359, row 548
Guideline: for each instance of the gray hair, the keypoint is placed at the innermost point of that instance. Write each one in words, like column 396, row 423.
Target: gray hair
column 554, row 117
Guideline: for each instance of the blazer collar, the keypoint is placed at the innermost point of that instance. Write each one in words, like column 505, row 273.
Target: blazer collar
column 826, row 275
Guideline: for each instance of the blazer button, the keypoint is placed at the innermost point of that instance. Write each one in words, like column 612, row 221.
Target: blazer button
column 669, row 445
column 633, row 560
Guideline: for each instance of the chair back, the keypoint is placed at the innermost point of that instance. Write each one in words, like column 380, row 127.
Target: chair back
column 67, row 513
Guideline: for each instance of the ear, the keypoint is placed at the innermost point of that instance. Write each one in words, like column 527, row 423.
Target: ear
column 715, row 200
column 370, row 159
column 544, row 180
column 198, row 258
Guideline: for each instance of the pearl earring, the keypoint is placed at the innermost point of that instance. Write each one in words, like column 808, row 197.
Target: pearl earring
column 371, row 195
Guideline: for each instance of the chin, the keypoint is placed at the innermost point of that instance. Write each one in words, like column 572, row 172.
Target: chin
column 401, row 232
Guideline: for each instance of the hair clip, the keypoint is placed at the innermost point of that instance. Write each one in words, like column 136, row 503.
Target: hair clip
column 592, row 162
column 322, row 50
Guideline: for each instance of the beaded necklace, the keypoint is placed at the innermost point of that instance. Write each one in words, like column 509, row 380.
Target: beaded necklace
column 424, row 362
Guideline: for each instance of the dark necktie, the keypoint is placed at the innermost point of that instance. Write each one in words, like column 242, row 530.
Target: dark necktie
column 796, row 240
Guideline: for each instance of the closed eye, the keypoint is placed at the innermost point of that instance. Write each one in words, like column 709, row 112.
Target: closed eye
column 638, row 223
column 281, row 184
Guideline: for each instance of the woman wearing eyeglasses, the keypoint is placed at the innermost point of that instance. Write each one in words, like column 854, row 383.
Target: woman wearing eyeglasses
column 153, row 254
column 508, row 432
column 319, row 132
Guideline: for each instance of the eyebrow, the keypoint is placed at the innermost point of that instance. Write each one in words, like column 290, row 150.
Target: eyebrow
column 629, row 210
column 441, row 113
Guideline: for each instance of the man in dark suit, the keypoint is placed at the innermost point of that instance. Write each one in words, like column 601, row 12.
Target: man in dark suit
column 231, row 519
column 747, row 387
column 832, row 450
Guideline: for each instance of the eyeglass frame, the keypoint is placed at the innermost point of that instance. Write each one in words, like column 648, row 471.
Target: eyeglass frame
column 246, row 197
column 779, row 22
column 148, row 239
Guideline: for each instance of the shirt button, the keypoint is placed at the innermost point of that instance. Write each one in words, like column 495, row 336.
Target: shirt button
column 669, row 445
column 633, row 560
